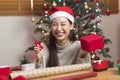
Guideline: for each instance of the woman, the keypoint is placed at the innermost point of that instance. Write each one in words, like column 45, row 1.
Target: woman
column 62, row 48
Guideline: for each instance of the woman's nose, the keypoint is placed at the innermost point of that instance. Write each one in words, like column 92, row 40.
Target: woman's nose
column 59, row 27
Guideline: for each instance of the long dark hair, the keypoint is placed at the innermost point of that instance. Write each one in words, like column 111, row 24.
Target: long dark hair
column 53, row 58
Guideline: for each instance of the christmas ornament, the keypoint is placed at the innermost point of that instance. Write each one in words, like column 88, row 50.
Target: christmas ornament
column 91, row 0
column 85, row 6
column 97, row 58
column 45, row 7
column 93, row 16
column 98, row 22
column 77, row 1
column 54, row 3
column 33, row 19
column 108, row 12
column 79, row 14
column 118, row 62
column 107, row 49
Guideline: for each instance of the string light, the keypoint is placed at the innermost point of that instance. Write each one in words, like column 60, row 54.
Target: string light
column 86, row 6
column 43, row 32
column 59, row 0
column 33, row 19
column 46, row 12
column 64, row 3
column 41, row 21
column 39, row 26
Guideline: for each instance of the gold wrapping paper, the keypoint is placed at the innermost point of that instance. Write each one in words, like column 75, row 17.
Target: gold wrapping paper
column 36, row 73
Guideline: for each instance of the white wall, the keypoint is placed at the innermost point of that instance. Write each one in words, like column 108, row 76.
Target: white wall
column 16, row 33
column 111, row 27
column 15, row 37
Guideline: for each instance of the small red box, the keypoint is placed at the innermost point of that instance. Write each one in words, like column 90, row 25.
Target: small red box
column 5, row 71
column 92, row 42
column 100, row 65
column 20, row 78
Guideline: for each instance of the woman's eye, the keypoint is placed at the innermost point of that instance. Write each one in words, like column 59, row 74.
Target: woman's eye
column 54, row 24
column 63, row 24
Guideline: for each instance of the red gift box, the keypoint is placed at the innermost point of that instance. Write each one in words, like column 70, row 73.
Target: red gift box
column 100, row 65
column 92, row 42
column 20, row 78
column 5, row 71
column 118, row 62
column 3, row 77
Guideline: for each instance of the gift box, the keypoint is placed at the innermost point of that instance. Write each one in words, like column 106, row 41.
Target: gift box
column 20, row 78
column 118, row 63
column 119, row 69
column 5, row 71
column 92, row 42
column 3, row 77
column 100, row 65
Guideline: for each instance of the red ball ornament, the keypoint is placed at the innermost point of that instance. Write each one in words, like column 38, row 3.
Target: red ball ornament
column 77, row 1
column 118, row 61
column 108, row 12
column 79, row 14
column 107, row 49
column 93, row 16
column 98, row 22
column 97, row 58
column 45, row 7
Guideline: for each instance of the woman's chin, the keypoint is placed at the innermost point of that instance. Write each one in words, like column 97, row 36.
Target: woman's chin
column 60, row 38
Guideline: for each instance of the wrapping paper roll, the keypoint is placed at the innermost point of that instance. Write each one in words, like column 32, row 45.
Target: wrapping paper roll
column 36, row 73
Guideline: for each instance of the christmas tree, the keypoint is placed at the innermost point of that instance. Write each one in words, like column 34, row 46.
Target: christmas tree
column 88, row 16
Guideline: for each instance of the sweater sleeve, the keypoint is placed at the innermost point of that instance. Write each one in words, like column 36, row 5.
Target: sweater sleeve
column 85, row 59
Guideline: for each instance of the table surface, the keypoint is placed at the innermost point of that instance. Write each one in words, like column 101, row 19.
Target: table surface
column 109, row 74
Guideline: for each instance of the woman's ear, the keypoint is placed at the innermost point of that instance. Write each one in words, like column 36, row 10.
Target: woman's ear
column 72, row 26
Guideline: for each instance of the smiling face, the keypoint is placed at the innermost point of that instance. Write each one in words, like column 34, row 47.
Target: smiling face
column 60, row 28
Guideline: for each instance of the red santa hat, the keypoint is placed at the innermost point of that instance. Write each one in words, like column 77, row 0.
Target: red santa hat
column 65, row 11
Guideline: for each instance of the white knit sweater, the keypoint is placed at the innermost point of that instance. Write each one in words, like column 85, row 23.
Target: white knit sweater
column 67, row 54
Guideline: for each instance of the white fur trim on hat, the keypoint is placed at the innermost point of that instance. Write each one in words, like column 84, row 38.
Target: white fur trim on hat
column 62, row 13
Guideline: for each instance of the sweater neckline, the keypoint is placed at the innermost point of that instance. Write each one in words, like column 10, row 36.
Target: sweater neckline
column 59, row 47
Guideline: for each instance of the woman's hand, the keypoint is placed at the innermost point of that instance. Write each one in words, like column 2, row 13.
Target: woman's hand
column 83, row 53
column 38, row 51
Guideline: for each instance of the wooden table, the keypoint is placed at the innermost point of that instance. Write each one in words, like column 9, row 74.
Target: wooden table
column 110, row 74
